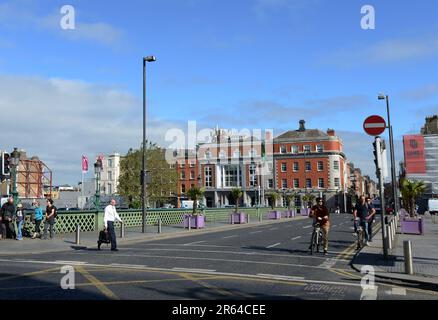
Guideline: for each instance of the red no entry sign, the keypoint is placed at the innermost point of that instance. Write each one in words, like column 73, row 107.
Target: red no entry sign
column 374, row 125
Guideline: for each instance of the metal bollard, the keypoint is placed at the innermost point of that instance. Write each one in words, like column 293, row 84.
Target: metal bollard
column 190, row 223
column 78, row 233
column 159, row 225
column 407, row 248
column 389, row 236
column 122, row 230
column 247, row 221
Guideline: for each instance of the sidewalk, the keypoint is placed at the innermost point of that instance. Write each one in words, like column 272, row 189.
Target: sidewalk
column 65, row 242
column 424, row 251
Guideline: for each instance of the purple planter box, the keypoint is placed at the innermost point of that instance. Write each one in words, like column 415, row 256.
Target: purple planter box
column 196, row 222
column 238, row 218
column 305, row 212
column 274, row 215
column 289, row 214
column 412, row 226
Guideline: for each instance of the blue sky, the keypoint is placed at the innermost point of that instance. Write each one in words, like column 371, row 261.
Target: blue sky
column 239, row 64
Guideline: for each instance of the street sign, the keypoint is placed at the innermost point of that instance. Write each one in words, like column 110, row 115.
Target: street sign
column 374, row 125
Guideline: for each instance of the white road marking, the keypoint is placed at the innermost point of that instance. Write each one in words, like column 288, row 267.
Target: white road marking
column 306, row 227
column 273, row 229
column 190, row 243
column 280, row 277
column 193, row 270
column 273, row 245
column 229, row 237
column 330, row 262
column 135, row 266
column 396, row 291
column 296, row 238
column 70, row 262
column 334, row 226
column 203, row 271
column 369, row 293
column 255, row 232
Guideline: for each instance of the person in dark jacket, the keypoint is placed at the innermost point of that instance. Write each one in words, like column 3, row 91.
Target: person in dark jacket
column 8, row 217
column 49, row 219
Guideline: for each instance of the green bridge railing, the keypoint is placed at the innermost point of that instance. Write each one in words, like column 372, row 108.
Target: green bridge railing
column 92, row 221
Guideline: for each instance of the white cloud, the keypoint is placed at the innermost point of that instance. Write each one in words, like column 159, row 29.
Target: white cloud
column 383, row 52
column 59, row 120
column 421, row 93
column 23, row 14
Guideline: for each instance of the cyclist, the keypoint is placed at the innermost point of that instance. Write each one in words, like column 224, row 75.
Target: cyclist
column 320, row 214
column 360, row 214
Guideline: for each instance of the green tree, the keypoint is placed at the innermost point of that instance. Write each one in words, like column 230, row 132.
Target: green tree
column 163, row 178
column 236, row 194
column 410, row 191
column 308, row 198
column 290, row 198
column 195, row 193
column 273, row 197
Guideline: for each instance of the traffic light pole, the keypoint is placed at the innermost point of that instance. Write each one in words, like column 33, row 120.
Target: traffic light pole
column 377, row 151
column 14, row 185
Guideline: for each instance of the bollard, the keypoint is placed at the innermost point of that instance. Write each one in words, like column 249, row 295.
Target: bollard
column 122, row 230
column 388, row 237
column 407, row 248
column 159, row 225
column 190, row 223
column 78, row 233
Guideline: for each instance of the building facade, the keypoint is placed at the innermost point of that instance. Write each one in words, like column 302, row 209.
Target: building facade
column 110, row 174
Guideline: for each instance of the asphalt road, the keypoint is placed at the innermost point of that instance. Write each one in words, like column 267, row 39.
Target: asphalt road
column 258, row 262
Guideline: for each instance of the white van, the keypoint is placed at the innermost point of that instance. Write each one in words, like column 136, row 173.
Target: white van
column 433, row 206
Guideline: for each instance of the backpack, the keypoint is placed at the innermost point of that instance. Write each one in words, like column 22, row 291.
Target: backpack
column 56, row 212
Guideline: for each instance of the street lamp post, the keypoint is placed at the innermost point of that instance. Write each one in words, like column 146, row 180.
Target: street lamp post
column 391, row 145
column 143, row 168
column 15, row 161
column 97, row 171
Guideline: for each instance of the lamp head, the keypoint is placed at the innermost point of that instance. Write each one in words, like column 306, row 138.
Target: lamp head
column 381, row 96
column 149, row 59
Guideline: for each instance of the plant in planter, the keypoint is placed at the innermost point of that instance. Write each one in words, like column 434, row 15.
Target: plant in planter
column 236, row 216
column 273, row 197
column 308, row 200
column 290, row 198
column 410, row 191
column 196, row 220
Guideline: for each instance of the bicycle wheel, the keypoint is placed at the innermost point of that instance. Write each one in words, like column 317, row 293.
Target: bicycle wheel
column 318, row 240
column 313, row 243
column 359, row 239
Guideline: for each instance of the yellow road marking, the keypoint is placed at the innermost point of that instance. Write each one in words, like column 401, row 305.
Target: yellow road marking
column 205, row 284
column 96, row 282
column 29, row 274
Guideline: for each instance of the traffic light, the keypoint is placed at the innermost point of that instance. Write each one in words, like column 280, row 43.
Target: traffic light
column 377, row 155
column 6, row 171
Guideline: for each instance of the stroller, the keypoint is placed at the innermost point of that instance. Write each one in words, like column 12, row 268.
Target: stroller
column 104, row 237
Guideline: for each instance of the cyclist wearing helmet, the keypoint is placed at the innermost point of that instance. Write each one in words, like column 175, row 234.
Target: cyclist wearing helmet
column 320, row 214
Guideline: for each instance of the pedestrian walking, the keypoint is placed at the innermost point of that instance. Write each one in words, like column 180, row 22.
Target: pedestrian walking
column 110, row 216
column 370, row 218
column 19, row 221
column 49, row 219
column 8, row 219
column 38, row 217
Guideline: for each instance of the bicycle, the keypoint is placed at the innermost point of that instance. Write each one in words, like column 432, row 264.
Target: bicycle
column 360, row 236
column 316, row 239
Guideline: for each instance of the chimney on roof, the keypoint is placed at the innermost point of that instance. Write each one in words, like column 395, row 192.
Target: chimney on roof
column 302, row 127
column 331, row 132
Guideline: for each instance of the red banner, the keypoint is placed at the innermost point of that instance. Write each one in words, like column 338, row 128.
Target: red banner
column 84, row 164
column 415, row 161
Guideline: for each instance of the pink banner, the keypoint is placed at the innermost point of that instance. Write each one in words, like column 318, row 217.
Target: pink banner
column 415, row 161
column 84, row 164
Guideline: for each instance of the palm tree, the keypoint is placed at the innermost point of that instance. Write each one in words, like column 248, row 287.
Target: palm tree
column 195, row 193
column 308, row 198
column 273, row 196
column 410, row 191
column 290, row 199
column 236, row 194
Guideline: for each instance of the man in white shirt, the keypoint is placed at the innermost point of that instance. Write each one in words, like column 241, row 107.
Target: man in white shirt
column 110, row 216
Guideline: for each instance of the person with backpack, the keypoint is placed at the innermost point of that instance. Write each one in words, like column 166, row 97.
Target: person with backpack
column 8, row 217
column 38, row 217
column 50, row 219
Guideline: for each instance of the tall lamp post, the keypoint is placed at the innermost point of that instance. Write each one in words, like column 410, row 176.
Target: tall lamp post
column 391, row 145
column 15, row 161
column 98, row 166
column 143, row 167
